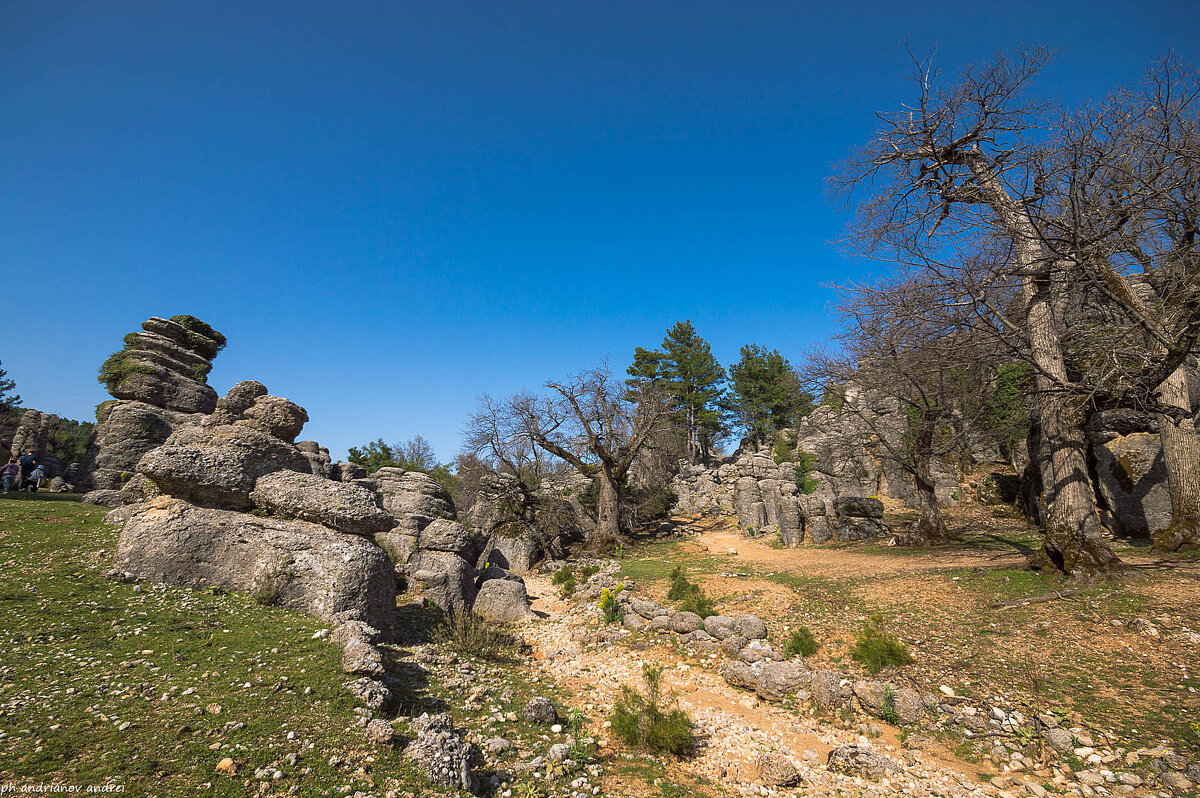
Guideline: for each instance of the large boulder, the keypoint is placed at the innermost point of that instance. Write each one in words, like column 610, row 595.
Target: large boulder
column 275, row 416
column 415, row 499
column 860, row 759
column 779, row 681
column 516, row 553
column 502, row 601
column 347, row 508
column 446, row 579
column 125, row 431
column 858, row 507
column 218, row 466
column 450, row 536
column 166, row 365
column 1131, row 475
column 296, row 564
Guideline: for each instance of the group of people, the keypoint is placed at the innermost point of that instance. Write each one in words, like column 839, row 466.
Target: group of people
column 24, row 473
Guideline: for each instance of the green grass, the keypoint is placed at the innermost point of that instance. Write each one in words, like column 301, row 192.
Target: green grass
column 81, row 656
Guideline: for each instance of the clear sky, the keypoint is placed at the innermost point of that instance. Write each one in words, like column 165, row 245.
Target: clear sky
column 391, row 207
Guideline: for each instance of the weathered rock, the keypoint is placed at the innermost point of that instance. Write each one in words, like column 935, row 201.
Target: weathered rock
column 415, row 499
column 646, row 608
column 124, row 432
column 1060, row 740
column 502, row 601
column 446, row 579
column 218, row 466
column 275, row 416
column 102, row 498
column 519, row 554
column 303, row 566
column 372, row 693
column 346, row 508
column 751, row 627
column 354, row 631
column 825, row 688
column 720, row 626
column 442, row 754
column 778, row 681
column 317, row 456
column 858, row 507
column 540, row 710
column 139, row 489
column 861, row 760
column 852, row 528
column 777, row 771
column 363, row 659
column 450, row 536
column 740, row 674
column 381, row 732
column 634, row 622
column 1132, row 477
column 685, row 622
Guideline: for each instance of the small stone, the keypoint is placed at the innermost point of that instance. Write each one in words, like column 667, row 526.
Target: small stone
column 226, row 767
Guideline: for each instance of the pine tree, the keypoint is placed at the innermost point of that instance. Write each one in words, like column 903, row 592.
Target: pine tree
column 8, row 402
column 692, row 379
column 766, row 395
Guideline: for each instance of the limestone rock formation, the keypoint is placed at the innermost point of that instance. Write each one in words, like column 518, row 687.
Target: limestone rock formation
column 309, row 547
column 159, row 381
column 296, row 564
column 1131, row 475
column 166, row 365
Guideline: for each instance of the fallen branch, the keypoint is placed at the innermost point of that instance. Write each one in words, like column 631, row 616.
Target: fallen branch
column 1058, row 594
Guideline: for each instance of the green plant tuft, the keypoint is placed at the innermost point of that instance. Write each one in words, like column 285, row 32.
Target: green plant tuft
column 800, row 642
column 876, row 649
column 610, row 606
column 643, row 722
column 888, row 711
column 470, row 635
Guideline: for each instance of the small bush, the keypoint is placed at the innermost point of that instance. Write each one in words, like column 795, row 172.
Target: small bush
column 800, row 642
column 888, row 711
column 690, row 595
column 118, row 366
column 876, row 649
column 588, row 571
column 680, row 586
column 805, row 481
column 782, row 452
column 562, row 575
column 642, row 721
column 610, row 606
column 470, row 635
column 567, row 589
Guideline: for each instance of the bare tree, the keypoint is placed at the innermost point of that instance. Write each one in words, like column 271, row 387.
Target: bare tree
column 906, row 370
column 593, row 423
column 960, row 167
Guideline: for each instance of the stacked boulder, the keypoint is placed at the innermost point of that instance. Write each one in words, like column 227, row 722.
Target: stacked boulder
column 33, row 434
column 230, row 501
column 437, row 555
column 159, row 384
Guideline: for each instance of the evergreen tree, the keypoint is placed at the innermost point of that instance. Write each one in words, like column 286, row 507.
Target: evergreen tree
column 766, row 395
column 9, row 402
column 693, row 381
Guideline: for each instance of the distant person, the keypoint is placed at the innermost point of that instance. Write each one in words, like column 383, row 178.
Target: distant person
column 27, row 462
column 10, row 471
column 35, row 478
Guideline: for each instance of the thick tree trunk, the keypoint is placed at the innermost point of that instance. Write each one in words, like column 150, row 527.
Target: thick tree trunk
column 1181, row 455
column 1074, row 541
column 608, row 531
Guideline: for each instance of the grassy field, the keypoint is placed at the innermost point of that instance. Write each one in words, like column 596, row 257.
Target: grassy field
column 148, row 687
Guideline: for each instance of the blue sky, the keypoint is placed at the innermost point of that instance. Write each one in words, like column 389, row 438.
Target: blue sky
column 389, row 208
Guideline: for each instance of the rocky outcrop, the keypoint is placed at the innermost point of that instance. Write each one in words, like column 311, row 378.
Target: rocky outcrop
column 309, row 546
column 296, row 564
column 1131, row 476
column 159, row 381
column 442, row 754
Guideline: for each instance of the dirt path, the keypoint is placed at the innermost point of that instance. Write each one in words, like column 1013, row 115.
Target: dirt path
column 734, row 726
column 722, row 538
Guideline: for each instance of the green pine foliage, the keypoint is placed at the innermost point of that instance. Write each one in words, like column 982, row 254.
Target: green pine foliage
column 876, row 649
column 800, row 643
column 691, row 596
column 643, row 722
column 766, row 395
column 9, row 401
column 694, row 382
